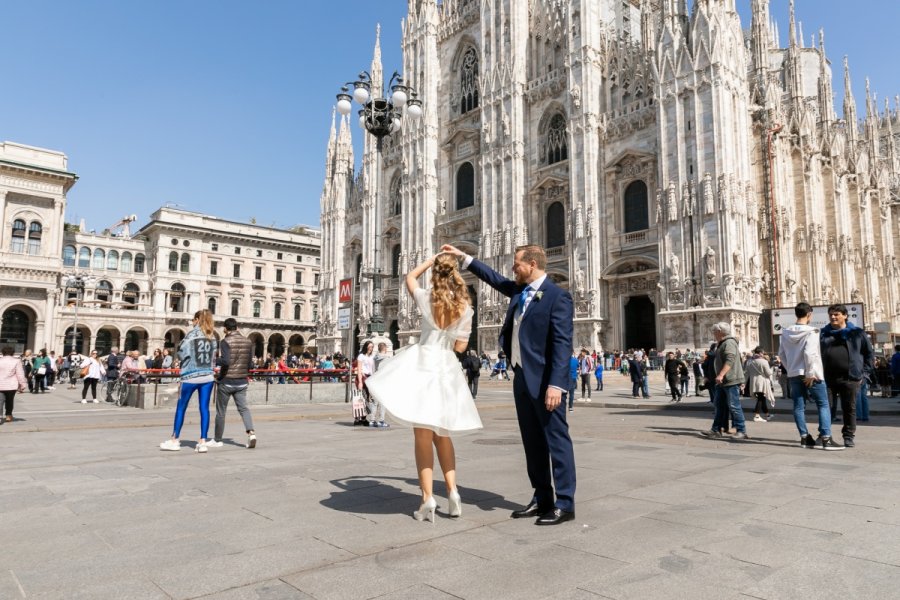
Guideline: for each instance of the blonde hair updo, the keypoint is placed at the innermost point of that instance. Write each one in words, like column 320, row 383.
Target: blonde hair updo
column 449, row 295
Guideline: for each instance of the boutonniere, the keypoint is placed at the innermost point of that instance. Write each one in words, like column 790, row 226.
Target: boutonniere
column 537, row 296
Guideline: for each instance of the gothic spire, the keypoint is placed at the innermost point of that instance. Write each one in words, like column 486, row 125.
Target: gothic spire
column 850, row 105
column 377, row 71
column 760, row 36
column 826, row 89
column 792, row 25
column 331, row 150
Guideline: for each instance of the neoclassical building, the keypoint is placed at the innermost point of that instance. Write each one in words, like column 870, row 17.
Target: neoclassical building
column 142, row 288
column 680, row 169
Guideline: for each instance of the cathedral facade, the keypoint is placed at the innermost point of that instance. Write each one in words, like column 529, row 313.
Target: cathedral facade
column 679, row 168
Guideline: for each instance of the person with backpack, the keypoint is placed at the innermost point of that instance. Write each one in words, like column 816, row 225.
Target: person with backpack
column 472, row 367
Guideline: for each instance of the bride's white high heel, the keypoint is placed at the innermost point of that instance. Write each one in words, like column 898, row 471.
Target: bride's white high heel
column 455, row 502
column 426, row 510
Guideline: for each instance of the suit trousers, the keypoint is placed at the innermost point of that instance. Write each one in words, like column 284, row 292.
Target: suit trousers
column 545, row 436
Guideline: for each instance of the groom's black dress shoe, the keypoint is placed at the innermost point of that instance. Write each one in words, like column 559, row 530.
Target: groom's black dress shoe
column 532, row 510
column 555, row 517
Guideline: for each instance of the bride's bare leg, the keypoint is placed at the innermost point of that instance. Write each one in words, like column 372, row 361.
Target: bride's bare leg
column 447, row 458
column 425, row 460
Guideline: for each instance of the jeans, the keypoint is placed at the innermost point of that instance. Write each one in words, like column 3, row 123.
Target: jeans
column 730, row 402
column 473, row 384
column 862, row 402
column 572, row 386
column 643, row 385
column 224, row 391
column 817, row 393
column 844, row 391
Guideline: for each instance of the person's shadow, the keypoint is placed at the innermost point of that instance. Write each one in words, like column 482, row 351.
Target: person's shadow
column 368, row 494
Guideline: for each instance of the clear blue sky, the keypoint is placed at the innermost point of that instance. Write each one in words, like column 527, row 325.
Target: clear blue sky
column 224, row 107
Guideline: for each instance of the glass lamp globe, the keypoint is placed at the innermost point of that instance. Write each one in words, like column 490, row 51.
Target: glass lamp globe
column 414, row 110
column 361, row 95
column 399, row 98
column 344, row 106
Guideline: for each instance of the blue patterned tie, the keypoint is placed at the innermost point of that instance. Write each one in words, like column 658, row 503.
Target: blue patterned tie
column 522, row 298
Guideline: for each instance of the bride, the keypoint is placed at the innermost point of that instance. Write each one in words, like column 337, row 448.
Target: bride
column 423, row 384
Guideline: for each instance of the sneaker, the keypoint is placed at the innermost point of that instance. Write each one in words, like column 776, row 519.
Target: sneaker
column 84, row 401
column 758, row 418
column 741, row 436
column 571, row 410
column 201, row 448
column 711, row 433
column 829, row 444
column 383, row 425
column 96, row 401
column 172, row 445
column 807, row 442
column 213, row 444
column 373, row 423
column 251, row 440
column 848, row 442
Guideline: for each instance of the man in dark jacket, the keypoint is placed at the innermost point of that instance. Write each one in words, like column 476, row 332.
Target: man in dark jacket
column 639, row 379
column 847, row 356
column 113, row 362
column 670, row 368
column 234, row 362
column 472, row 367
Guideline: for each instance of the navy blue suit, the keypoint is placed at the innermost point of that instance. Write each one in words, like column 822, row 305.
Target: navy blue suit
column 545, row 345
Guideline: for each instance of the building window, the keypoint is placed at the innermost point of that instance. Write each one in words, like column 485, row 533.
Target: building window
column 236, row 271
column 395, row 261
column 214, row 267
column 634, row 209
column 139, row 263
column 35, row 230
column 185, row 263
column 176, row 298
column 557, row 140
column 257, row 308
column 316, row 281
column 465, row 186
column 299, row 258
column 278, row 275
column 112, row 261
column 298, row 277
column 173, row 261
column 280, row 256
column 211, row 305
column 468, row 82
column 237, row 249
column 556, row 225
column 18, row 236
column 99, row 259
column 235, row 307
column 296, row 312
column 257, row 273
column 395, row 197
column 125, row 263
column 315, row 311
column 278, row 310
column 259, row 254
column 69, row 256
column 214, row 247
column 84, row 258
column 103, row 294
column 130, row 295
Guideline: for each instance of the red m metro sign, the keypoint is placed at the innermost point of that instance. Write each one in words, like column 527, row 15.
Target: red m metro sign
column 345, row 291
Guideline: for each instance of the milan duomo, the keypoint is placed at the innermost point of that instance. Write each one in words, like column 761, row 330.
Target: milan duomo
column 680, row 169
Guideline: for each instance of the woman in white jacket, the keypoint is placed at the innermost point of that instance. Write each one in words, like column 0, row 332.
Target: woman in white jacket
column 760, row 376
column 95, row 373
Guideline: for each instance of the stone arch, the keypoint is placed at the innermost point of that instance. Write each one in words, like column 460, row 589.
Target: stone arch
column 136, row 338
column 18, row 326
column 82, row 339
column 259, row 343
column 173, row 337
column 276, row 345
column 107, row 337
column 297, row 344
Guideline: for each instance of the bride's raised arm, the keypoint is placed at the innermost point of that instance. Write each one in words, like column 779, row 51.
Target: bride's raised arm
column 412, row 278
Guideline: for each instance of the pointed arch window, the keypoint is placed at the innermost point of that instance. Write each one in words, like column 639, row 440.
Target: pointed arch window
column 18, row 236
column 35, row 231
column 556, row 225
column 634, row 207
column 468, row 82
column 395, row 261
column 465, row 186
column 557, row 140
column 396, row 198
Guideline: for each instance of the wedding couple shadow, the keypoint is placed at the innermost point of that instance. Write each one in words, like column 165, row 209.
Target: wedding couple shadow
column 368, row 494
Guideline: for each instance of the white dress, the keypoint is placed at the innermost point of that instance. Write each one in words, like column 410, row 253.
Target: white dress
column 423, row 384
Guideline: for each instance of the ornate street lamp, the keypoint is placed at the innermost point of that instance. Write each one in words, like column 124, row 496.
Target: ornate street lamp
column 77, row 282
column 381, row 117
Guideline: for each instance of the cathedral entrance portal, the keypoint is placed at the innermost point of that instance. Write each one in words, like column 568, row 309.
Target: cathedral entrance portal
column 640, row 323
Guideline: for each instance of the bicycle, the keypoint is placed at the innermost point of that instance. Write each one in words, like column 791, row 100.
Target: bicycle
column 117, row 390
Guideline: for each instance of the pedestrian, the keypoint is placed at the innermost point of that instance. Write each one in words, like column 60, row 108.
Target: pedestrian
column 598, row 372
column 424, row 386
column 759, row 376
column 573, row 380
column 91, row 373
column 673, row 379
column 235, row 358
column 585, row 368
column 28, row 366
column 75, row 360
column 472, row 367
column 895, row 372
column 639, row 378
column 54, row 370
column 40, row 367
column 684, row 378
column 729, row 378
column 848, row 358
column 537, row 334
column 196, row 355
column 365, row 366
column 113, row 363
column 799, row 354
column 12, row 380
column 377, row 407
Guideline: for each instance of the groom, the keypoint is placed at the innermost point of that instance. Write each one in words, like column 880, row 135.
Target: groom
column 537, row 338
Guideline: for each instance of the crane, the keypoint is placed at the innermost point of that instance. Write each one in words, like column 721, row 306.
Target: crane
column 123, row 223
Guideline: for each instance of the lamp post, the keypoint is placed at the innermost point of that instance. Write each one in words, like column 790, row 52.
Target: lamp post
column 78, row 283
column 381, row 117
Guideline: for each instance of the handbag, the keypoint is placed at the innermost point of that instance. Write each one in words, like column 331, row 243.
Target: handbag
column 42, row 370
column 357, row 403
column 85, row 371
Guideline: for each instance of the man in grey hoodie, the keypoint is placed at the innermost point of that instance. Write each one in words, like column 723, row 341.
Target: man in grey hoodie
column 729, row 379
column 799, row 353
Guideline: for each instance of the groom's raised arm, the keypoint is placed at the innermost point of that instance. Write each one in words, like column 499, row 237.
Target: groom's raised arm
column 505, row 286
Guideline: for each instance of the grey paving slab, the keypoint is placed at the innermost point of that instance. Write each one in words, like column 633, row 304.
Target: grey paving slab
column 273, row 589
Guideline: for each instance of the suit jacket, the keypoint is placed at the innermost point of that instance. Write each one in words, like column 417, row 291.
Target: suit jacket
column 545, row 331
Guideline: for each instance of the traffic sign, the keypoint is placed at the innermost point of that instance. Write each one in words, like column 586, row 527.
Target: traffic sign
column 344, row 318
column 345, row 291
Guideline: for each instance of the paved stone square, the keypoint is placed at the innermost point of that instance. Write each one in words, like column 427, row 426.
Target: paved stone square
column 91, row 508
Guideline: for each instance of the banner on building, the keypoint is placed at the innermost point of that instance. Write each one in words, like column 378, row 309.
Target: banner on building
column 785, row 317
